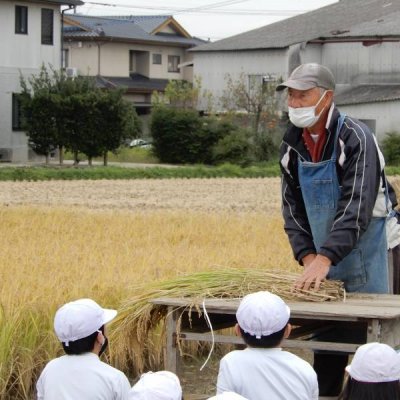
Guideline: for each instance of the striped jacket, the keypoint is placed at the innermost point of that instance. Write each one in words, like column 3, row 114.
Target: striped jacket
column 360, row 171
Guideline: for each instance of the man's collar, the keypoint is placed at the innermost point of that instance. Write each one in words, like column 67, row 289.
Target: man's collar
column 328, row 120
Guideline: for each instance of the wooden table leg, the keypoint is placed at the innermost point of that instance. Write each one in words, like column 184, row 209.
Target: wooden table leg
column 374, row 331
column 171, row 357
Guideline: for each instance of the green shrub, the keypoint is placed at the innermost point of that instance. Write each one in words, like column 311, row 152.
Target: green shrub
column 264, row 147
column 234, row 148
column 177, row 136
column 391, row 148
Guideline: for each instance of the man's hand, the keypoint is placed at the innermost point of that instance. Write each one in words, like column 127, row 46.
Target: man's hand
column 314, row 273
column 308, row 259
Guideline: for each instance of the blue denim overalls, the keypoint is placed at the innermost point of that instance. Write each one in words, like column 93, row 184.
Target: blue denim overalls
column 365, row 269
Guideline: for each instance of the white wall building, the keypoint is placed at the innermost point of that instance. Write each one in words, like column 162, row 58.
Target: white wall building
column 359, row 41
column 30, row 36
column 138, row 53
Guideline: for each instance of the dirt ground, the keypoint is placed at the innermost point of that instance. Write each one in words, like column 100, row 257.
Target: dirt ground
column 193, row 194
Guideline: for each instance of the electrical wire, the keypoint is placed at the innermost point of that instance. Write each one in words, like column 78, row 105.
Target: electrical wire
column 208, row 9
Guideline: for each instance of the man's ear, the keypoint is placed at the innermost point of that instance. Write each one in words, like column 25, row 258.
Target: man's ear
column 329, row 95
column 287, row 332
column 237, row 330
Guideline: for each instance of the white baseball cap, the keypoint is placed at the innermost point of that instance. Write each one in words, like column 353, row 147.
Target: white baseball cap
column 79, row 319
column 262, row 314
column 161, row 385
column 374, row 363
column 227, row 396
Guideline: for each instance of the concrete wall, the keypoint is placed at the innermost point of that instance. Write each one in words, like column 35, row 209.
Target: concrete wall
column 25, row 54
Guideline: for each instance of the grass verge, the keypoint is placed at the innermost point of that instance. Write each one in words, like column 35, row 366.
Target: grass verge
column 43, row 173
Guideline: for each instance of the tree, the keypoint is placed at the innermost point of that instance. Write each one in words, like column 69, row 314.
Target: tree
column 74, row 114
column 47, row 120
column 255, row 96
column 185, row 95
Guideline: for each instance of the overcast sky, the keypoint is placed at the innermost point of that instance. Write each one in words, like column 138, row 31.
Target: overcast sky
column 208, row 19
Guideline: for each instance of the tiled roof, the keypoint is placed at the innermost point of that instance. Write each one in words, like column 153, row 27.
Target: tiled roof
column 64, row 2
column 135, row 82
column 129, row 28
column 368, row 94
column 318, row 24
column 383, row 26
column 146, row 22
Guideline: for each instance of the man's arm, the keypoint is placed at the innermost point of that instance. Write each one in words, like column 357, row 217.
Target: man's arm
column 359, row 187
column 294, row 213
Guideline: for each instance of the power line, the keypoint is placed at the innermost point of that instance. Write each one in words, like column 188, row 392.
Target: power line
column 204, row 10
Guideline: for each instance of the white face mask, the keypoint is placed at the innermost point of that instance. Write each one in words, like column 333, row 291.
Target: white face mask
column 304, row 117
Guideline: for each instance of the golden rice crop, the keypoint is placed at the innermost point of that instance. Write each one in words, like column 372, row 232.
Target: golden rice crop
column 54, row 255
column 139, row 327
column 125, row 243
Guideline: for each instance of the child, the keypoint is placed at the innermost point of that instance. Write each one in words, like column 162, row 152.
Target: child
column 374, row 374
column 263, row 370
column 161, row 385
column 227, row 396
column 80, row 374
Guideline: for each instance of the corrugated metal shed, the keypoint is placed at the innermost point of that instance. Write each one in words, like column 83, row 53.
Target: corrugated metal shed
column 383, row 26
column 363, row 94
column 322, row 23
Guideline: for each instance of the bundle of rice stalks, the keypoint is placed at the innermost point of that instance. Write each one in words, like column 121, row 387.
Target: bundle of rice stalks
column 138, row 334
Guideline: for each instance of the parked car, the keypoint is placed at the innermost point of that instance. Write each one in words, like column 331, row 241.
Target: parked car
column 140, row 143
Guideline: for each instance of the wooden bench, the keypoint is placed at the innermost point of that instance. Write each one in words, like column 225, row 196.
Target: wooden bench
column 377, row 316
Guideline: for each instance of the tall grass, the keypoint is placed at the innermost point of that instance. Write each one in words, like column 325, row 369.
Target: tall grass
column 51, row 256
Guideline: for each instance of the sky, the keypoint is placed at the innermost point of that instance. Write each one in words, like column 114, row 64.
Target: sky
column 208, row 19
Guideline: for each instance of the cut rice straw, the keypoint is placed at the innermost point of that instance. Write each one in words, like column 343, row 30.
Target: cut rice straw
column 138, row 333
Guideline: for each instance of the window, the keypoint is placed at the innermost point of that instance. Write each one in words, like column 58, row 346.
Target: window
column 65, row 58
column 132, row 61
column 16, row 112
column 173, row 62
column 157, row 58
column 47, row 26
column 21, row 20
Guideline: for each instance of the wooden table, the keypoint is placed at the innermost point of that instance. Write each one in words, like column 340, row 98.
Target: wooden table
column 376, row 316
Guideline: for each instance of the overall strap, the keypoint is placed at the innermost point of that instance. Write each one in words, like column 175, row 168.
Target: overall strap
column 338, row 129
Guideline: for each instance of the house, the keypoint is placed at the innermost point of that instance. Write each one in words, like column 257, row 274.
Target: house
column 137, row 53
column 30, row 37
column 359, row 40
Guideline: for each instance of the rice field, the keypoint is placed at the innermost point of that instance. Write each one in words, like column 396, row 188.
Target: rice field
column 102, row 239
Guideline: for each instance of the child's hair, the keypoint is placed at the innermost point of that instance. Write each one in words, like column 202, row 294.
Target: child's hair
column 266, row 342
column 84, row 345
column 356, row 390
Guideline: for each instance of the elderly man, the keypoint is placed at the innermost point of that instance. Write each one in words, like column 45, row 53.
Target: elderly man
column 335, row 198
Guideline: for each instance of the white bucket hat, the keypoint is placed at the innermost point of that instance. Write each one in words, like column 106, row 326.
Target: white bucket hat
column 262, row 314
column 79, row 319
column 374, row 363
column 228, row 396
column 161, row 385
